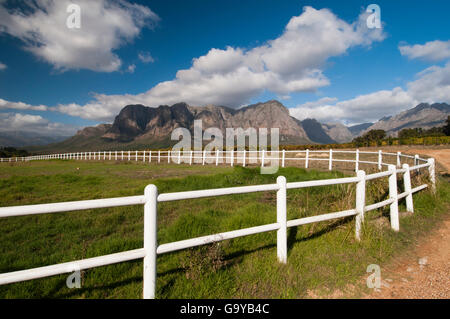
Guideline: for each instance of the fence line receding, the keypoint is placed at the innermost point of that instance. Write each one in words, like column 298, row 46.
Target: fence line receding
column 151, row 198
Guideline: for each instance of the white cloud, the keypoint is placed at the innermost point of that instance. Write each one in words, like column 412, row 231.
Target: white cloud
column 293, row 62
column 131, row 68
column 432, row 85
column 430, row 51
column 21, row 106
column 363, row 108
column 105, row 26
column 146, row 57
column 34, row 124
column 320, row 102
column 3, row 66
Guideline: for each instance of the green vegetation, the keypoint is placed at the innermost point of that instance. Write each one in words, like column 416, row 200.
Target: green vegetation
column 447, row 126
column 407, row 136
column 320, row 256
column 420, row 132
column 12, row 152
column 373, row 136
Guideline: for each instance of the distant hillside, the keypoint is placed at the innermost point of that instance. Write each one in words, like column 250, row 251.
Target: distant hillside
column 20, row 139
column 423, row 115
column 139, row 126
column 356, row 130
column 316, row 132
column 338, row 132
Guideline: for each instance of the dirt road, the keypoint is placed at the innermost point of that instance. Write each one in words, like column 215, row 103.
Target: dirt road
column 442, row 156
column 440, row 153
column 423, row 272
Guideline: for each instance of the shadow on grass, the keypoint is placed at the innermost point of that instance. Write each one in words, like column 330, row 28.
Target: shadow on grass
column 78, row 292
column 232, row 259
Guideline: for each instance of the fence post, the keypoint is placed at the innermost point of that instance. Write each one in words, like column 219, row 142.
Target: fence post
column 150, row 156
column 306, row 158
column 281, row 220
column 432, row 172
column 284, row 156
column 217, row 157
column 399, row 163
column 168, row 156
column 380, row 159
column 232, row 157
column 407, row 184
column 243, row 162
column 357, row 161
column 190, row 158
column 416, row 162
column 262, row 157
column 159, row 156
column 360, row 202
column 150, row 241
column 393, row 195
column 330, row 164
column 179, row 156
column 136, row 156
column 204, row 157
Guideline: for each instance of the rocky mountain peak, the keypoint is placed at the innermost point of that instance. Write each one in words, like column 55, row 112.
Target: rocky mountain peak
column 423, row 115
column 138, row 122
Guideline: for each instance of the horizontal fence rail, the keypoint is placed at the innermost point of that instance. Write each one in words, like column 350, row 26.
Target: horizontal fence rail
column 232, row 157
column 151, row 198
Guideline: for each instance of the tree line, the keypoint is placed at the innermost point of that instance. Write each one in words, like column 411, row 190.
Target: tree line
column 376, row 137
column 12, row 152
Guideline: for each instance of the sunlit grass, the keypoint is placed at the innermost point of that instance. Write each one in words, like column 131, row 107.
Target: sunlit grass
column 319, row 255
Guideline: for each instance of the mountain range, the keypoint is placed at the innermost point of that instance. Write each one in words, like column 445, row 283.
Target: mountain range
column 139, row 126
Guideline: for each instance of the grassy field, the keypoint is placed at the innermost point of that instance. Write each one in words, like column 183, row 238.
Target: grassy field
column 321, row 256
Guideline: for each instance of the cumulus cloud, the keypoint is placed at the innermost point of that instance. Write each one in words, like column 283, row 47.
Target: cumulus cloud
column 2, row 66
column 430, row 51
column 146, row 57
column 320, row 102
column 34, row 124
column 431, row 85
column 368, row 107
column 293, row 62
column 131, row 68
column 21, row 106
column 105, row 26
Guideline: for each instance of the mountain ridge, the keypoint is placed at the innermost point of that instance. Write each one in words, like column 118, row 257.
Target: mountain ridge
column 139, row 126
column 423, row 115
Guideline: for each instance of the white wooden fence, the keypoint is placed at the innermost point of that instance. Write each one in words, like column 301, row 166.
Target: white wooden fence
column 230, row 157
column 151, row 198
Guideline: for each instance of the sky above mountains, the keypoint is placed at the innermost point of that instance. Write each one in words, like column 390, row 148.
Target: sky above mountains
column 319, row 58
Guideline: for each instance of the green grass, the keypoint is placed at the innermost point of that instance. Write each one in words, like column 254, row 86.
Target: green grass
column 320, row 256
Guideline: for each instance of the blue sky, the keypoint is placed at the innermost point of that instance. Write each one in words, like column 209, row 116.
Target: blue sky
column 51, row 81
